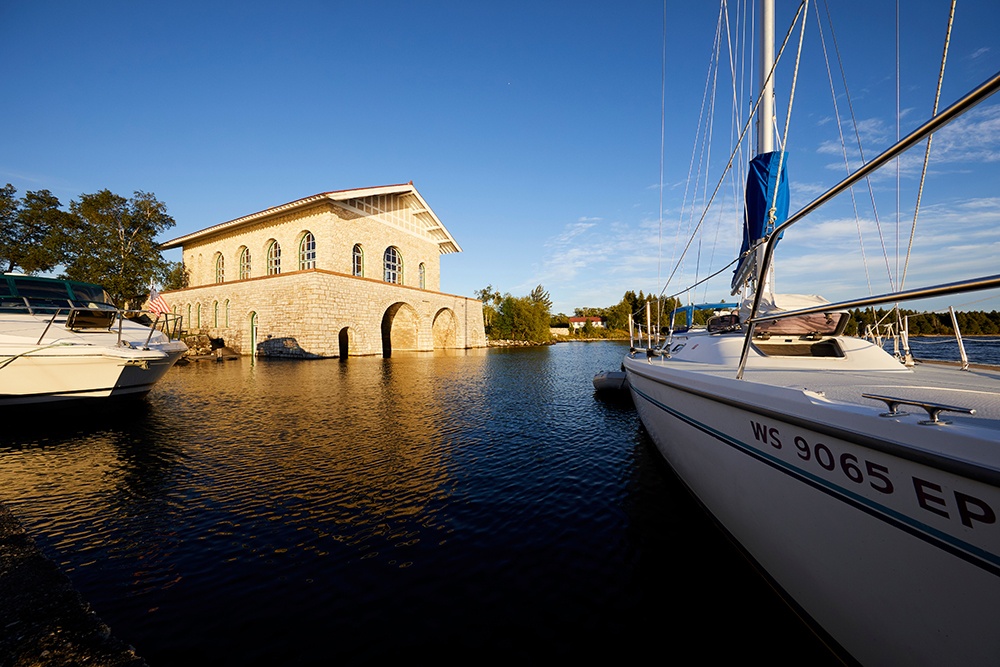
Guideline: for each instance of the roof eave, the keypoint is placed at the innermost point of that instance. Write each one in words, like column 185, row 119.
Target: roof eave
column 446, row 246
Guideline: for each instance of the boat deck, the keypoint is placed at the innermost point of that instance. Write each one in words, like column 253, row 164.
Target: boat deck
column 846, row 379
column 975, row 389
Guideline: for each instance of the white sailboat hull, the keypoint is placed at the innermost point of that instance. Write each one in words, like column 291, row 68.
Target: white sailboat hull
column 882, row 530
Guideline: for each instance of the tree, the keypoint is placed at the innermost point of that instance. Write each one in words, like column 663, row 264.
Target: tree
column 519, row 318
column 491, row 301
column 112, row 243
column 540, row 297
column 617, row 316
column 176, row 277
column 32, row 230
column 559, row 320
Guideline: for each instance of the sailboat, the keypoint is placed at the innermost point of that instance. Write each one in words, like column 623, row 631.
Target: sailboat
column 866, row 489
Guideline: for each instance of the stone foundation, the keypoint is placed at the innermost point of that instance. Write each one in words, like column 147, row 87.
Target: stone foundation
column 318, row 313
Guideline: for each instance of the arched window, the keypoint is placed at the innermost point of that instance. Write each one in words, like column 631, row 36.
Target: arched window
column 189, row 320
column 220, row 268
column 273, row 259
column 215, row 314
column 359, row 260
column 244, row 263
column 197, row 315
column 422, row 271
column 393, row 266
column 307, row 252
column 227, row 313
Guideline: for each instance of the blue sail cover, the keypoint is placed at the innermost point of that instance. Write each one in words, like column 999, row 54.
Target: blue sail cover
column 762, row 180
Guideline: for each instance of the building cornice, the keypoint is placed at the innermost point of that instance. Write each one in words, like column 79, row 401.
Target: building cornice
column 435, row 229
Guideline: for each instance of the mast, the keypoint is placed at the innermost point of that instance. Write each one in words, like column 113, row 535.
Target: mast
column 766, row 196
column 765, row 129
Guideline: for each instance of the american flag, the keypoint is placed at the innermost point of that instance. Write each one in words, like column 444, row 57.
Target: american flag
column 156, row 303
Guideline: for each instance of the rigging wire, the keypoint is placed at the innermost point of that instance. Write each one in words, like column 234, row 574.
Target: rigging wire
column 741, row 56
column 732, row 155
column 744, row 269
column 703, row 280
column 843, row 146
column 663, row 113
column 731, row 50
column 840, row 130
column 703, row 137
column 783, row 136
column 898, row 160
column 861, row 156
column 927, row 151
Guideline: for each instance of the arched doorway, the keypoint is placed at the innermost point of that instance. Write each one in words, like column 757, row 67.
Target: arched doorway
column 253, row 334
column 344, row 340
column 400, row 325
column 445, row 329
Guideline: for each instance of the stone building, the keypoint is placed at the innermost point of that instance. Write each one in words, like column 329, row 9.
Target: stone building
column 350, row 272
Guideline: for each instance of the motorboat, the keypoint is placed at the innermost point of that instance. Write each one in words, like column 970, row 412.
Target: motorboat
column 63, row 340
column 864, row 488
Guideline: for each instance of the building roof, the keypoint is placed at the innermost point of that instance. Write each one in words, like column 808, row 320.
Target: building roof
column 419, row 218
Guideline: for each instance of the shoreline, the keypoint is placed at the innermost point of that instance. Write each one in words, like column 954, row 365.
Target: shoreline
column 43, row 619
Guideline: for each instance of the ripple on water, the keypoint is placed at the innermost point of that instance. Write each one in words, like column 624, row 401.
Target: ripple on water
column 425, row 505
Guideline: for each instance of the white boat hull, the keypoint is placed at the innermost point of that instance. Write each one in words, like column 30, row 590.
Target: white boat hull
column 36, row 375
column 893, row 551
column 62, row 340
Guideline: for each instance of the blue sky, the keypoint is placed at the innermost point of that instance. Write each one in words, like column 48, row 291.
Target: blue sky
column 531, row 128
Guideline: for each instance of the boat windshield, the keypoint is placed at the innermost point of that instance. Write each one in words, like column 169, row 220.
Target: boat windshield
column 39, row 293
column 91, row 296
column 50, row 294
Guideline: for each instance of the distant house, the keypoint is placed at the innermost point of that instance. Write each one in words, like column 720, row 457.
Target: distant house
column 577, row 323
column 342, row 273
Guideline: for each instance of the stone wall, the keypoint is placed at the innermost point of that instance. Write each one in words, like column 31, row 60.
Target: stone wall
column 317, row 312
column 325, row 310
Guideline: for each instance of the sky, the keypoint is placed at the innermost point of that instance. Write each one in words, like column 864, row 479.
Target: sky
column 555, row 140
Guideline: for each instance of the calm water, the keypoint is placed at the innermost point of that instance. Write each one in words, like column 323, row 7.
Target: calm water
column 433, row 507
column 978, row 349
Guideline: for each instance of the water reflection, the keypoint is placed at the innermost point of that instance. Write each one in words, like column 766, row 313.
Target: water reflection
column 429, row 504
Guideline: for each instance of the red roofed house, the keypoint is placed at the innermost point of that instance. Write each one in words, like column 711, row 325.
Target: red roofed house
column 577, row 323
